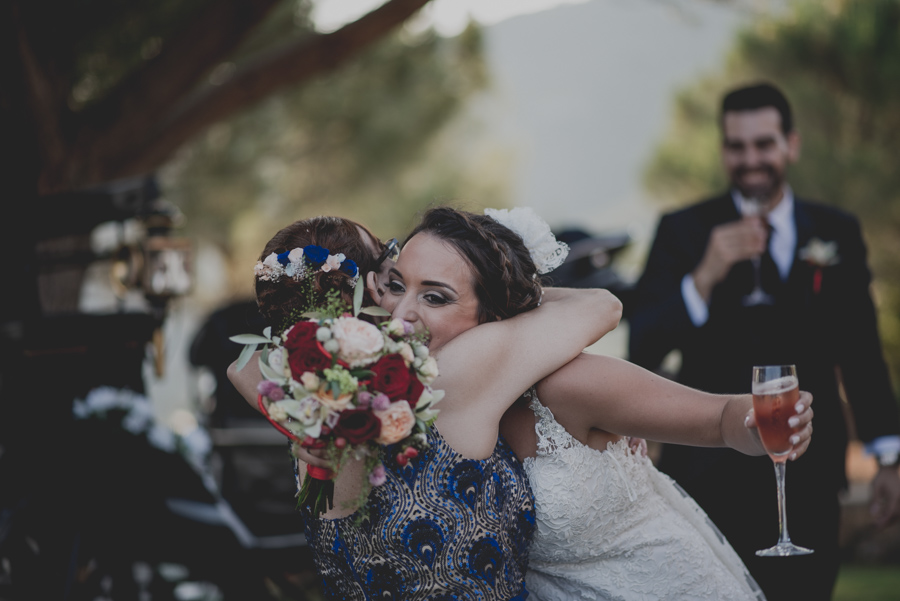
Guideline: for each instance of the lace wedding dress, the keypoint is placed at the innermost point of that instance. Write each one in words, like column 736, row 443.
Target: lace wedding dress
column 610, row 526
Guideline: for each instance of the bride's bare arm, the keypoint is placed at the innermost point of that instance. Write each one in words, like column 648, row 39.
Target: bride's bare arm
column 610, row 394
column 492, row 364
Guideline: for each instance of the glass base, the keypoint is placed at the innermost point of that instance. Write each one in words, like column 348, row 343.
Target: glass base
column 758, row 297
column 784, row 550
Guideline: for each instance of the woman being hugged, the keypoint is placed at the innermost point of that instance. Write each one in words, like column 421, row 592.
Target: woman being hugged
column 609, row 525
column 455, row 521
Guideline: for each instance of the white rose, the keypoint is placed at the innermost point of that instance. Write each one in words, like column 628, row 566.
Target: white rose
column 277, row 412
column 429, row 370
column 310, row 381
column 406, row 352
column 359, row 341
column 394, row 327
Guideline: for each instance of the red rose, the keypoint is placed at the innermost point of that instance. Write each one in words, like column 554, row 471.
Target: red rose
column 300, row 334
column 304, row 352
column 415, row 391
column 357, row 426
column 392, row 377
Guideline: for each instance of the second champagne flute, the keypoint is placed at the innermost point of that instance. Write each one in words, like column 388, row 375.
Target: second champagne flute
column 776, row 391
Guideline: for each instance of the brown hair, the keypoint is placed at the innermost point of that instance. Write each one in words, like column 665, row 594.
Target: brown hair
column 504, row 275
column 281, row 302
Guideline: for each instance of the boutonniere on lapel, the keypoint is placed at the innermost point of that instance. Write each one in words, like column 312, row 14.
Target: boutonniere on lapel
column 820, row 255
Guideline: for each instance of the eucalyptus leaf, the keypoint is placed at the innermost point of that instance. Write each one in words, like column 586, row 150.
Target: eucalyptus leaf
column 249, row 339
column 357, row 297
column 245, row 355
column 268, row 332
column 270, row 374
column 376, row 311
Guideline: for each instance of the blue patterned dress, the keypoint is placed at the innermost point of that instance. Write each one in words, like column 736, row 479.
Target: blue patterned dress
column 442, row 527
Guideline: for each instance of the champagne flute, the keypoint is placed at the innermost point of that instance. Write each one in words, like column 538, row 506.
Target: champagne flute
column 753, row 207
column 775, row 394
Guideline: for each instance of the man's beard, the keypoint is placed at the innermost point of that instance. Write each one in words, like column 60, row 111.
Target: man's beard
column 764, row 191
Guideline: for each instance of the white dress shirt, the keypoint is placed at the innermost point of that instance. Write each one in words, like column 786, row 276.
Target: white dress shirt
column 782, row 244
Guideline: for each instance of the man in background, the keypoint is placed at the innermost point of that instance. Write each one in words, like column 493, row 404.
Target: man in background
column 811, row 308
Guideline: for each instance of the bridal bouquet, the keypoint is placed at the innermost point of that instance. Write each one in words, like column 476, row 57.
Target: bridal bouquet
column 336, row 382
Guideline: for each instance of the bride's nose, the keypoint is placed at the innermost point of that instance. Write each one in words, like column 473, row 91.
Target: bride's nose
column 406, row 309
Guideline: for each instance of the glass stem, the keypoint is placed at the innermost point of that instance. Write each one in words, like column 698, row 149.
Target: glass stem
column 757, row 279
column 783, row 537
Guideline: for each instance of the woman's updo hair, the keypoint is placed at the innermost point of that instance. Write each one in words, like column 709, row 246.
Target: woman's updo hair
column 282, row 302
column 505, row 277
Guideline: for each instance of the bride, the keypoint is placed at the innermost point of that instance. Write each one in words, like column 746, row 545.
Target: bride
column 608, row 525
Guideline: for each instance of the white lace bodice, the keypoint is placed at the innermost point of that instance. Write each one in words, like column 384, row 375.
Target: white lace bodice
column 610, row 526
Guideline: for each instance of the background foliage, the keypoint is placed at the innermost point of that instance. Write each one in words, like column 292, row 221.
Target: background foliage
column 362, row 142
column 839, row 64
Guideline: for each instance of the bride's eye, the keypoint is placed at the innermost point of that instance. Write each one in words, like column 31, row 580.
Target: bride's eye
column 395, row 287
column 435, row 299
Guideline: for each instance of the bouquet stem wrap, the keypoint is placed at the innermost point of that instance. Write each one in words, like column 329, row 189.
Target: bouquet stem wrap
column 317, row 491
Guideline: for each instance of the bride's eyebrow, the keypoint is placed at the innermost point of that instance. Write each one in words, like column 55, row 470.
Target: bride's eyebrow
column 437, row 284
column 434, row 283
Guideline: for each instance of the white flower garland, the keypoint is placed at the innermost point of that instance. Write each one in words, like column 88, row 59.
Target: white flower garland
column 546, row 251
column 296, row 264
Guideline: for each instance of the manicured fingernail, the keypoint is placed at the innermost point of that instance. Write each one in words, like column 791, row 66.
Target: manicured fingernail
column 795, row 439
column 798, row 407
column 793, row 456
column 747, row 420
column 792, row 422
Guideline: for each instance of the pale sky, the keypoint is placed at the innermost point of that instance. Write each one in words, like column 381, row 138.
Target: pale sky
column 448, row 17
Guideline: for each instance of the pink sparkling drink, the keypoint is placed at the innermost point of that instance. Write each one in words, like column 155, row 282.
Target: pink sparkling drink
column 774, row 403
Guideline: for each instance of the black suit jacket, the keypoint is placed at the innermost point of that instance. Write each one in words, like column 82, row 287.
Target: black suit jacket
column 825, row 333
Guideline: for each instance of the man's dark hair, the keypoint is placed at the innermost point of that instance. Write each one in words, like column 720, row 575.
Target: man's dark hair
column 755, row 97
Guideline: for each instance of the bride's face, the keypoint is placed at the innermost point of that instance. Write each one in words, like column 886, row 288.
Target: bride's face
column 431, row 286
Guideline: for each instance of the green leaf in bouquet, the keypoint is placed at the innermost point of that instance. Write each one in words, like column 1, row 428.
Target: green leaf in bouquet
column 245, row 356
column 249, row 339
column 362, row 374
column 375, row 311
column 357, row 298
column 270, row 374
column 268, row 332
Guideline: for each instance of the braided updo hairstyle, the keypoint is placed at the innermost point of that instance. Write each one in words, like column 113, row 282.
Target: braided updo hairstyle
column 504, row 275
column 281, row 302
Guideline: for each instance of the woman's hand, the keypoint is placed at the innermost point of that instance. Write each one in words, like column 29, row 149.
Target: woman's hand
column 801, row 423
column 314, row 457
column 638, row 446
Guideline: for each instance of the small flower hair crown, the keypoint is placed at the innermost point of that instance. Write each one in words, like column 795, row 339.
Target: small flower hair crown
column 304, row 262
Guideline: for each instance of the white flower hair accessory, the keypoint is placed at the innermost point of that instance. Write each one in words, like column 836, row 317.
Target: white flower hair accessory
column 546, row 251
column 304, row 262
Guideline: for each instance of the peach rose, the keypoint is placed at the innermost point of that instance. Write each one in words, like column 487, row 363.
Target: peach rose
column 360, row 342
column 324, row 396
column 397, row 422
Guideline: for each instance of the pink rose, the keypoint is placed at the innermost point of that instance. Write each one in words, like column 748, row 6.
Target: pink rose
column 397, row 422
column 360, row 342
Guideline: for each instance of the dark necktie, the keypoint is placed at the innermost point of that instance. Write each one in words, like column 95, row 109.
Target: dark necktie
column 769, row 275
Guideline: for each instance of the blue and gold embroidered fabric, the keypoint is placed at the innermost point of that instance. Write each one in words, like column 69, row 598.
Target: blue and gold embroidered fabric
column 441, row 527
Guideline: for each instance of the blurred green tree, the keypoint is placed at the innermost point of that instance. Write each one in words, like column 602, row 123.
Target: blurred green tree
column 96, row 90
column 839, row 63
column 355, row 142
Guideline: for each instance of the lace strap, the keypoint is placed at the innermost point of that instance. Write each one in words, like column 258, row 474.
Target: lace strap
column 550, row 434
